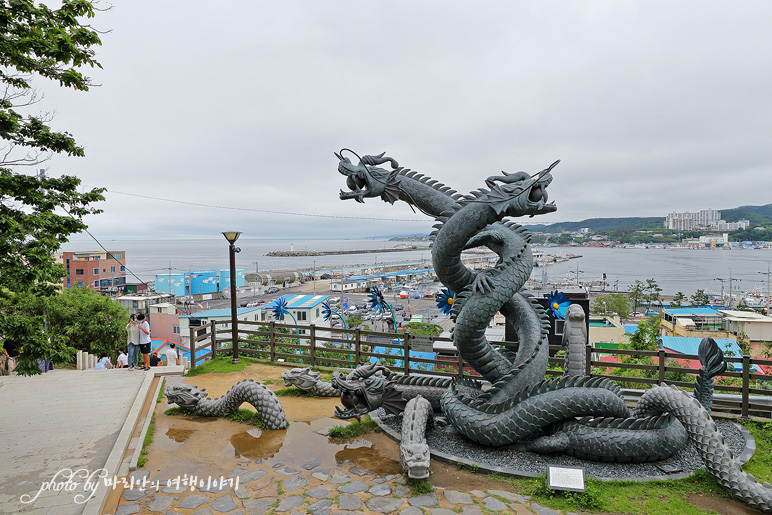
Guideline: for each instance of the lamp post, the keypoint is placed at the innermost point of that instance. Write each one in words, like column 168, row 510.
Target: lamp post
column 232, row 236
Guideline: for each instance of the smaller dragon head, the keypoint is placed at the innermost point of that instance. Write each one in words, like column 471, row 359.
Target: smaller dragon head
column 366, row 389
column 415, row 458
column 520, row 194
column 185, row 396
column 303, row 378
column 365, row 180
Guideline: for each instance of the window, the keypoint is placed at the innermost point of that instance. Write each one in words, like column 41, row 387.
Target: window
column 80, row 284
column 559, row 326
column 300, row 315
column 262, row 316
column 78, row 271
column 96, row 271
column 96, row 284
column 123, row 268
column 317, row 312
column 176, row 329
column 112, row 269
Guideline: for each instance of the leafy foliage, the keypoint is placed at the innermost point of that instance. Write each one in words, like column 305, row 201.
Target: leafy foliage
column 37, row 214
column 90, row 321
column 353, row 429
column 616, row 303
column 700, row 298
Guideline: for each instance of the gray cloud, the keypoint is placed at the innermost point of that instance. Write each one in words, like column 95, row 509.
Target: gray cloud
column 653, row 107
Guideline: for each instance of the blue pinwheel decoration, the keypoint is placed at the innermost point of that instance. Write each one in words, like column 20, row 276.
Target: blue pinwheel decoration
column 377, row 302
column 558, row 303
column 326, row 311
column 279, row 307
column 445, row 300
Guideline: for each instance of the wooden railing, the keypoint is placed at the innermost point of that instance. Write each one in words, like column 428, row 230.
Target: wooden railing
column 310, row 345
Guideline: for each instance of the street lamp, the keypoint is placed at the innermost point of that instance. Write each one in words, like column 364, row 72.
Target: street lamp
column 232, row 236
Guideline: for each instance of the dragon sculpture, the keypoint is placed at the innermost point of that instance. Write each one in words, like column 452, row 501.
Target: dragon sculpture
column 576, row 413
column 266, row 403
column 308, row 380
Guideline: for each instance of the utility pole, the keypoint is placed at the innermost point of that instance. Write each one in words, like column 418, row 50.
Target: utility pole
column 256, row 270
column 730, row 280
column 766, row 300
column 314, row 277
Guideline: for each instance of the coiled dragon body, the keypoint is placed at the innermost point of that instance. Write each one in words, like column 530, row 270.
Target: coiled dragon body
column 579, row 413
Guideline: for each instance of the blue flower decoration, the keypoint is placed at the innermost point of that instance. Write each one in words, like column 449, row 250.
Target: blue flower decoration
column 558, row 303
column 326, row 311
column 445, row 300
column 377, row 302
column 279, row 308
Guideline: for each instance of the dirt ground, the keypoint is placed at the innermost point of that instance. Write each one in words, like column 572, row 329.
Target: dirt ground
column 214, row 446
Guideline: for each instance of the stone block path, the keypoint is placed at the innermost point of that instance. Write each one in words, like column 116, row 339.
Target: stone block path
column 348, row 489
column 58, row 421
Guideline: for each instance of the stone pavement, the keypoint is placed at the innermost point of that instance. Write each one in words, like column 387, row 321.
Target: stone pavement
column 65, row 419
column 347, row 489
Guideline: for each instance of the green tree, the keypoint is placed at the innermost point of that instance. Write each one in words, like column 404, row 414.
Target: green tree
column 90, row 321
column 616, row 303
column 678, row 298
column 700, row 298
column 637, row 294
column 37, row 214
column 651, row 292
column 646, row 336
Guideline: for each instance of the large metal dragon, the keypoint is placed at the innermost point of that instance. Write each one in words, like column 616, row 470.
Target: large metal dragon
column 585, row 416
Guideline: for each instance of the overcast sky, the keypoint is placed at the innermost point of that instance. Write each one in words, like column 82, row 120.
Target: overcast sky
column 652, row 107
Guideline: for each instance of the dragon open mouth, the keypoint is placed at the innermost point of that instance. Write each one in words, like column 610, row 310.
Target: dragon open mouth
column 354, row 405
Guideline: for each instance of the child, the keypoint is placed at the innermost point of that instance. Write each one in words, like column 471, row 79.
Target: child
column 123, row 359
column 104, row 362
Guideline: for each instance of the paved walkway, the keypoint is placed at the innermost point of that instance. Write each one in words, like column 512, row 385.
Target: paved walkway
column 348, row 490
column 64, row 419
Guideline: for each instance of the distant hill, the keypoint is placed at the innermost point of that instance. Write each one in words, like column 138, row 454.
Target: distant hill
column 758, row 216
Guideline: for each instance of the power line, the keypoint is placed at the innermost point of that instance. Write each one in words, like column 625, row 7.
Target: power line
column 233, row 208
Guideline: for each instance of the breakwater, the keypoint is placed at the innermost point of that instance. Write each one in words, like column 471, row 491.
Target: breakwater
column 299, row 253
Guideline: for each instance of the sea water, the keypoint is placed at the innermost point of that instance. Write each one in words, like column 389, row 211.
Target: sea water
column 674, row 269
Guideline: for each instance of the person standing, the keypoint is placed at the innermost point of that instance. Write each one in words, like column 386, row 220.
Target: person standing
column 171, row 356
column 132, row 341
column 11, row 350
column 144, row 340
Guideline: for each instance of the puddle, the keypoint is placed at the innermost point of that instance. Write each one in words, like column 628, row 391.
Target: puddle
column 363, row 453
column 179, row 435
column 257, row 444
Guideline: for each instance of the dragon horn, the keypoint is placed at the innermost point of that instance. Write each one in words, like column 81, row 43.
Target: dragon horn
column 379, row 159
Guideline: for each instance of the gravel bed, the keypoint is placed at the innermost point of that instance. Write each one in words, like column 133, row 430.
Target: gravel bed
column 449, row 441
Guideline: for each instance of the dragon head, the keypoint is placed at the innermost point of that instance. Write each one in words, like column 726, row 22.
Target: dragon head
column 415, row 458
column 520, row 194
column 366, row 389
column 185, row 396
column 303, row 378
column 365, row 179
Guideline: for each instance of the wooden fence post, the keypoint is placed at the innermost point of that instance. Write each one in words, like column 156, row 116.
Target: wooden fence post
column 192, row 347
column 213, row 338
column 587, row 360
column 357, row 347
column 272, row 340
column 312, row 349
column 746, row 386
column 661, row 367
column 406, row 352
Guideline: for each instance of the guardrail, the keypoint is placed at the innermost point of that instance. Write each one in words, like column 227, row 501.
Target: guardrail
column 311, row 345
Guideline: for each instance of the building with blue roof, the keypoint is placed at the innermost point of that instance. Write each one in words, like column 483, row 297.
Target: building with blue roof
column 697, row 322
column 690, row 346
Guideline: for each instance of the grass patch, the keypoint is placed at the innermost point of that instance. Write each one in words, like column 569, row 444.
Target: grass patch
column 148, row 440
column 161, row 392
column 177, row 411
column 367, row 425
column 293, row 392
column 419, row 486
column 246, row 416
column 268, row 381
column 220, row 365
column 631, row 497
column 760, row 465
